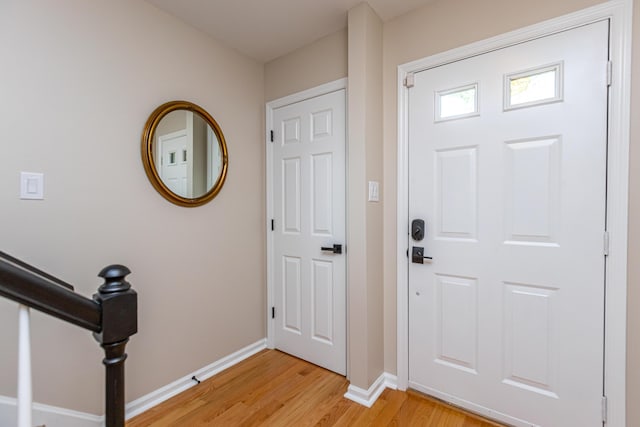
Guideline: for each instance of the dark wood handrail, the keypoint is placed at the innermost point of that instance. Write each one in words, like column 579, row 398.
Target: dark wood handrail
column 26, row 288
column 111, row 315
column 31, row 268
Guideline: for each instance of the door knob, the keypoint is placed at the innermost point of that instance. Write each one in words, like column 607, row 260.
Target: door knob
column 417, row 255
column 336, row 249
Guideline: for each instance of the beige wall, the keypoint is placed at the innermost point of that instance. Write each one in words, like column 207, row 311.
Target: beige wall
column 366, row 338
column 77, row 82
column 172, row 122
column 322, row 61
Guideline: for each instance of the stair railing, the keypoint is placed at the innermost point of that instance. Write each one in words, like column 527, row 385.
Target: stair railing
column 111, row 315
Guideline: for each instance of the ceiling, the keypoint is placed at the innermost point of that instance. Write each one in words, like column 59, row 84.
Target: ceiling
column 267, row 29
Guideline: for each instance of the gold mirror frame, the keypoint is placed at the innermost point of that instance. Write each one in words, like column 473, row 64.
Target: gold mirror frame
column 148, row 155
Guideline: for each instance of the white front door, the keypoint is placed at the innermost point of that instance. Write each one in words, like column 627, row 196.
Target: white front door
column 507, row 166
column 309, row 215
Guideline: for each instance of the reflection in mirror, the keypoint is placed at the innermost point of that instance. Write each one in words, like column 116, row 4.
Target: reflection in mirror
column 184, row 153
column 187, row 154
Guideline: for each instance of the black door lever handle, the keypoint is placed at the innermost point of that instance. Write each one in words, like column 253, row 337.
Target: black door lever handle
column 417, row 255
column 336, row 249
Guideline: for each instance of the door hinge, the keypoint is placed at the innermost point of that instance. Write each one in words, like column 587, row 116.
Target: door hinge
column 273, row 224
column 606, row 243
column 609, row 73
column 409, row 80
column 273, row 312
column 604, row 409
column 272, row 137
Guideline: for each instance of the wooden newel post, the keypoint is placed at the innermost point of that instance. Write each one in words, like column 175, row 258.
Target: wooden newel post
column 119, row 321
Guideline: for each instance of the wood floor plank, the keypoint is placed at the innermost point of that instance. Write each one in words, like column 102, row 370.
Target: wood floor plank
column 335, row 412
column 306, row 399
column 274, row 389
column 230, row 388
column 170, row 418
column 394, row 400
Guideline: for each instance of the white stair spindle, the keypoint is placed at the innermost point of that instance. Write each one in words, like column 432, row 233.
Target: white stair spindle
column 24, row 368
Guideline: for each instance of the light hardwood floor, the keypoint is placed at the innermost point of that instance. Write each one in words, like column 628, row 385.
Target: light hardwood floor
column 274, row 389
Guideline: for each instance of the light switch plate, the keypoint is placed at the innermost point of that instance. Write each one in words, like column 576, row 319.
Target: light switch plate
column 374, row 191
column 31, row 186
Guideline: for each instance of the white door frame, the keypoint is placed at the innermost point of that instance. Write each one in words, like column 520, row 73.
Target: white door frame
column 272, row 105
column 620, row 14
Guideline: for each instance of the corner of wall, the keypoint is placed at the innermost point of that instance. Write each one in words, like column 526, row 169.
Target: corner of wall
column 366, row 303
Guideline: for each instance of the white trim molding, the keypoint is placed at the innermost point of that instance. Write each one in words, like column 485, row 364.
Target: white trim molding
column 368, row 397
column 619, row 12
column 47, row 415
column 158, row 396
column 323, row 89
column 55, row 416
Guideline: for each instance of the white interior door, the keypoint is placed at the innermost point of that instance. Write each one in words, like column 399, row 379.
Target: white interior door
column 507, row 166
column 174, row 156
column 309, row 212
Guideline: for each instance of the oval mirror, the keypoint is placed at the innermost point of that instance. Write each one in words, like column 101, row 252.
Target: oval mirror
column 184, row 153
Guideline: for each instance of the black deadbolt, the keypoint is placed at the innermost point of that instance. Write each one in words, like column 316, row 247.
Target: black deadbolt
column 417, row 229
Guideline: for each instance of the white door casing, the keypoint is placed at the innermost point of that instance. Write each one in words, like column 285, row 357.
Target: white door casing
column 508, row 318
column 307, row 186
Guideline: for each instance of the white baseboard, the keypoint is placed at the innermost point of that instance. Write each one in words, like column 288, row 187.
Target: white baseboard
column 369, row 397
column 158, row 396
column 51, row 416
